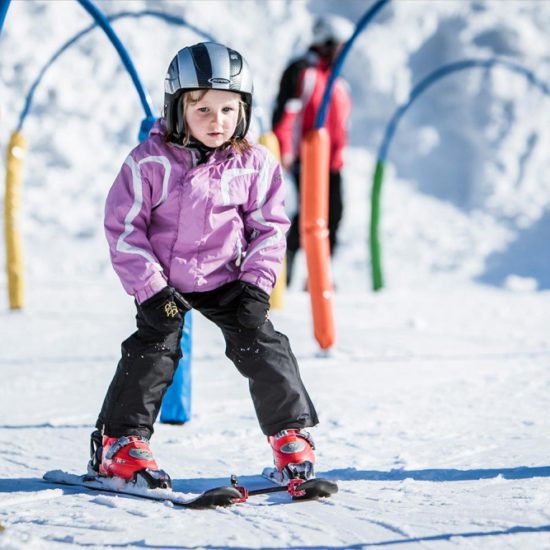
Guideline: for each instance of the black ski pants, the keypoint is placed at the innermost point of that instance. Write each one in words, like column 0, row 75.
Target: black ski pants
column 149, row 360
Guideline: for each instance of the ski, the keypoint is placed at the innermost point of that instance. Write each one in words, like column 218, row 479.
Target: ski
column 222, row 496
column 212, row 498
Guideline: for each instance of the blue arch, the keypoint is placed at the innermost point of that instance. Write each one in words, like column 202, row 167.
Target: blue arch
column 3, row 11
column 443, row 71
column 422, row 86
column 171, row 19
column 339, row 63
column 103, row 22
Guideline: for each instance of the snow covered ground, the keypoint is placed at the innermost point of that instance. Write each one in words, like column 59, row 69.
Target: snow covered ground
column 434, row 402
column 434, row 420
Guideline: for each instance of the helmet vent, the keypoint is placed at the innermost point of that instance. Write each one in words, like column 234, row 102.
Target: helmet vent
column 235, row 63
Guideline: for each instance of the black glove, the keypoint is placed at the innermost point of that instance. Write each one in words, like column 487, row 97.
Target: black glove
column 165, row 310
column 253, row 308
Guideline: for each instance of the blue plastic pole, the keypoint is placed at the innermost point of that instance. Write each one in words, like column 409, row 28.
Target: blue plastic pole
column 176, row 404
column 4, row 5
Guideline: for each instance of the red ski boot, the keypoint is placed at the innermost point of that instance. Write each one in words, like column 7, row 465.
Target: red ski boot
column 293, row 454
column 130, row 458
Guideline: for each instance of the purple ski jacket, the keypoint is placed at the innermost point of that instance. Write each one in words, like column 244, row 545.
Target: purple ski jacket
column 171, row 221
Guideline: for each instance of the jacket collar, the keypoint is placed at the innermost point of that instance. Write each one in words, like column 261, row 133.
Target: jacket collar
column 201, row 154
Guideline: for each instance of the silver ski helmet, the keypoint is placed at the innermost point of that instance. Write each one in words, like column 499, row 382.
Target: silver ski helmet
column 205, row 66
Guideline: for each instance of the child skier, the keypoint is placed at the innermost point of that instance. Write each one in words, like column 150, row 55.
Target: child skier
column 195, row 219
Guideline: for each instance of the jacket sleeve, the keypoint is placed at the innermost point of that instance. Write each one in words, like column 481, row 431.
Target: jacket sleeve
column 127, row 217
column 266, row 223
column 338, row 120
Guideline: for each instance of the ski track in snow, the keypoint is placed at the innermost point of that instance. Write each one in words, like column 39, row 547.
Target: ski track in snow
column 432, row 440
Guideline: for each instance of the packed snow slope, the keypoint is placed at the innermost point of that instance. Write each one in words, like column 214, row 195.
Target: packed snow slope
column 433, row 403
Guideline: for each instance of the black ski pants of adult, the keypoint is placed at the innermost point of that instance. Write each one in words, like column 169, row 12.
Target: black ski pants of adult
column 149, row 359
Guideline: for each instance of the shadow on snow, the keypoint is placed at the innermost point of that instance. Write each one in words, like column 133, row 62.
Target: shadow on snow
column 437, row 474
column 16, row 485
column 198, row 485
column 516, row 530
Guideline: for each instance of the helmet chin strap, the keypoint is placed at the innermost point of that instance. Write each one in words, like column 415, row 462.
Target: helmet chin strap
column 180, row 119
column 239, row 130
column 241, row 127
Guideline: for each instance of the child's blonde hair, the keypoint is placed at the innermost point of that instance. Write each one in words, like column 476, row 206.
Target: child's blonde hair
column 192, row 97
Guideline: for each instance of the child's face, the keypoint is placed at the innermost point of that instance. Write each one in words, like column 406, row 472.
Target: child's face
column 213, row 118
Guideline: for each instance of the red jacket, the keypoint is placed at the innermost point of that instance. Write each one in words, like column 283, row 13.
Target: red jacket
column 300, row 93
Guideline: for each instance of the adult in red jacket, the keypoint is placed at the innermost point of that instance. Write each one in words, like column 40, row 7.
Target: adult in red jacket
column 301, row 90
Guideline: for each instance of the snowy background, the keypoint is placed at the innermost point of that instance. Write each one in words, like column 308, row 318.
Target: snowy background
column 434, row 403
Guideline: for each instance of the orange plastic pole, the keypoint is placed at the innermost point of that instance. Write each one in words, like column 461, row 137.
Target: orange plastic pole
column 314, row 191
